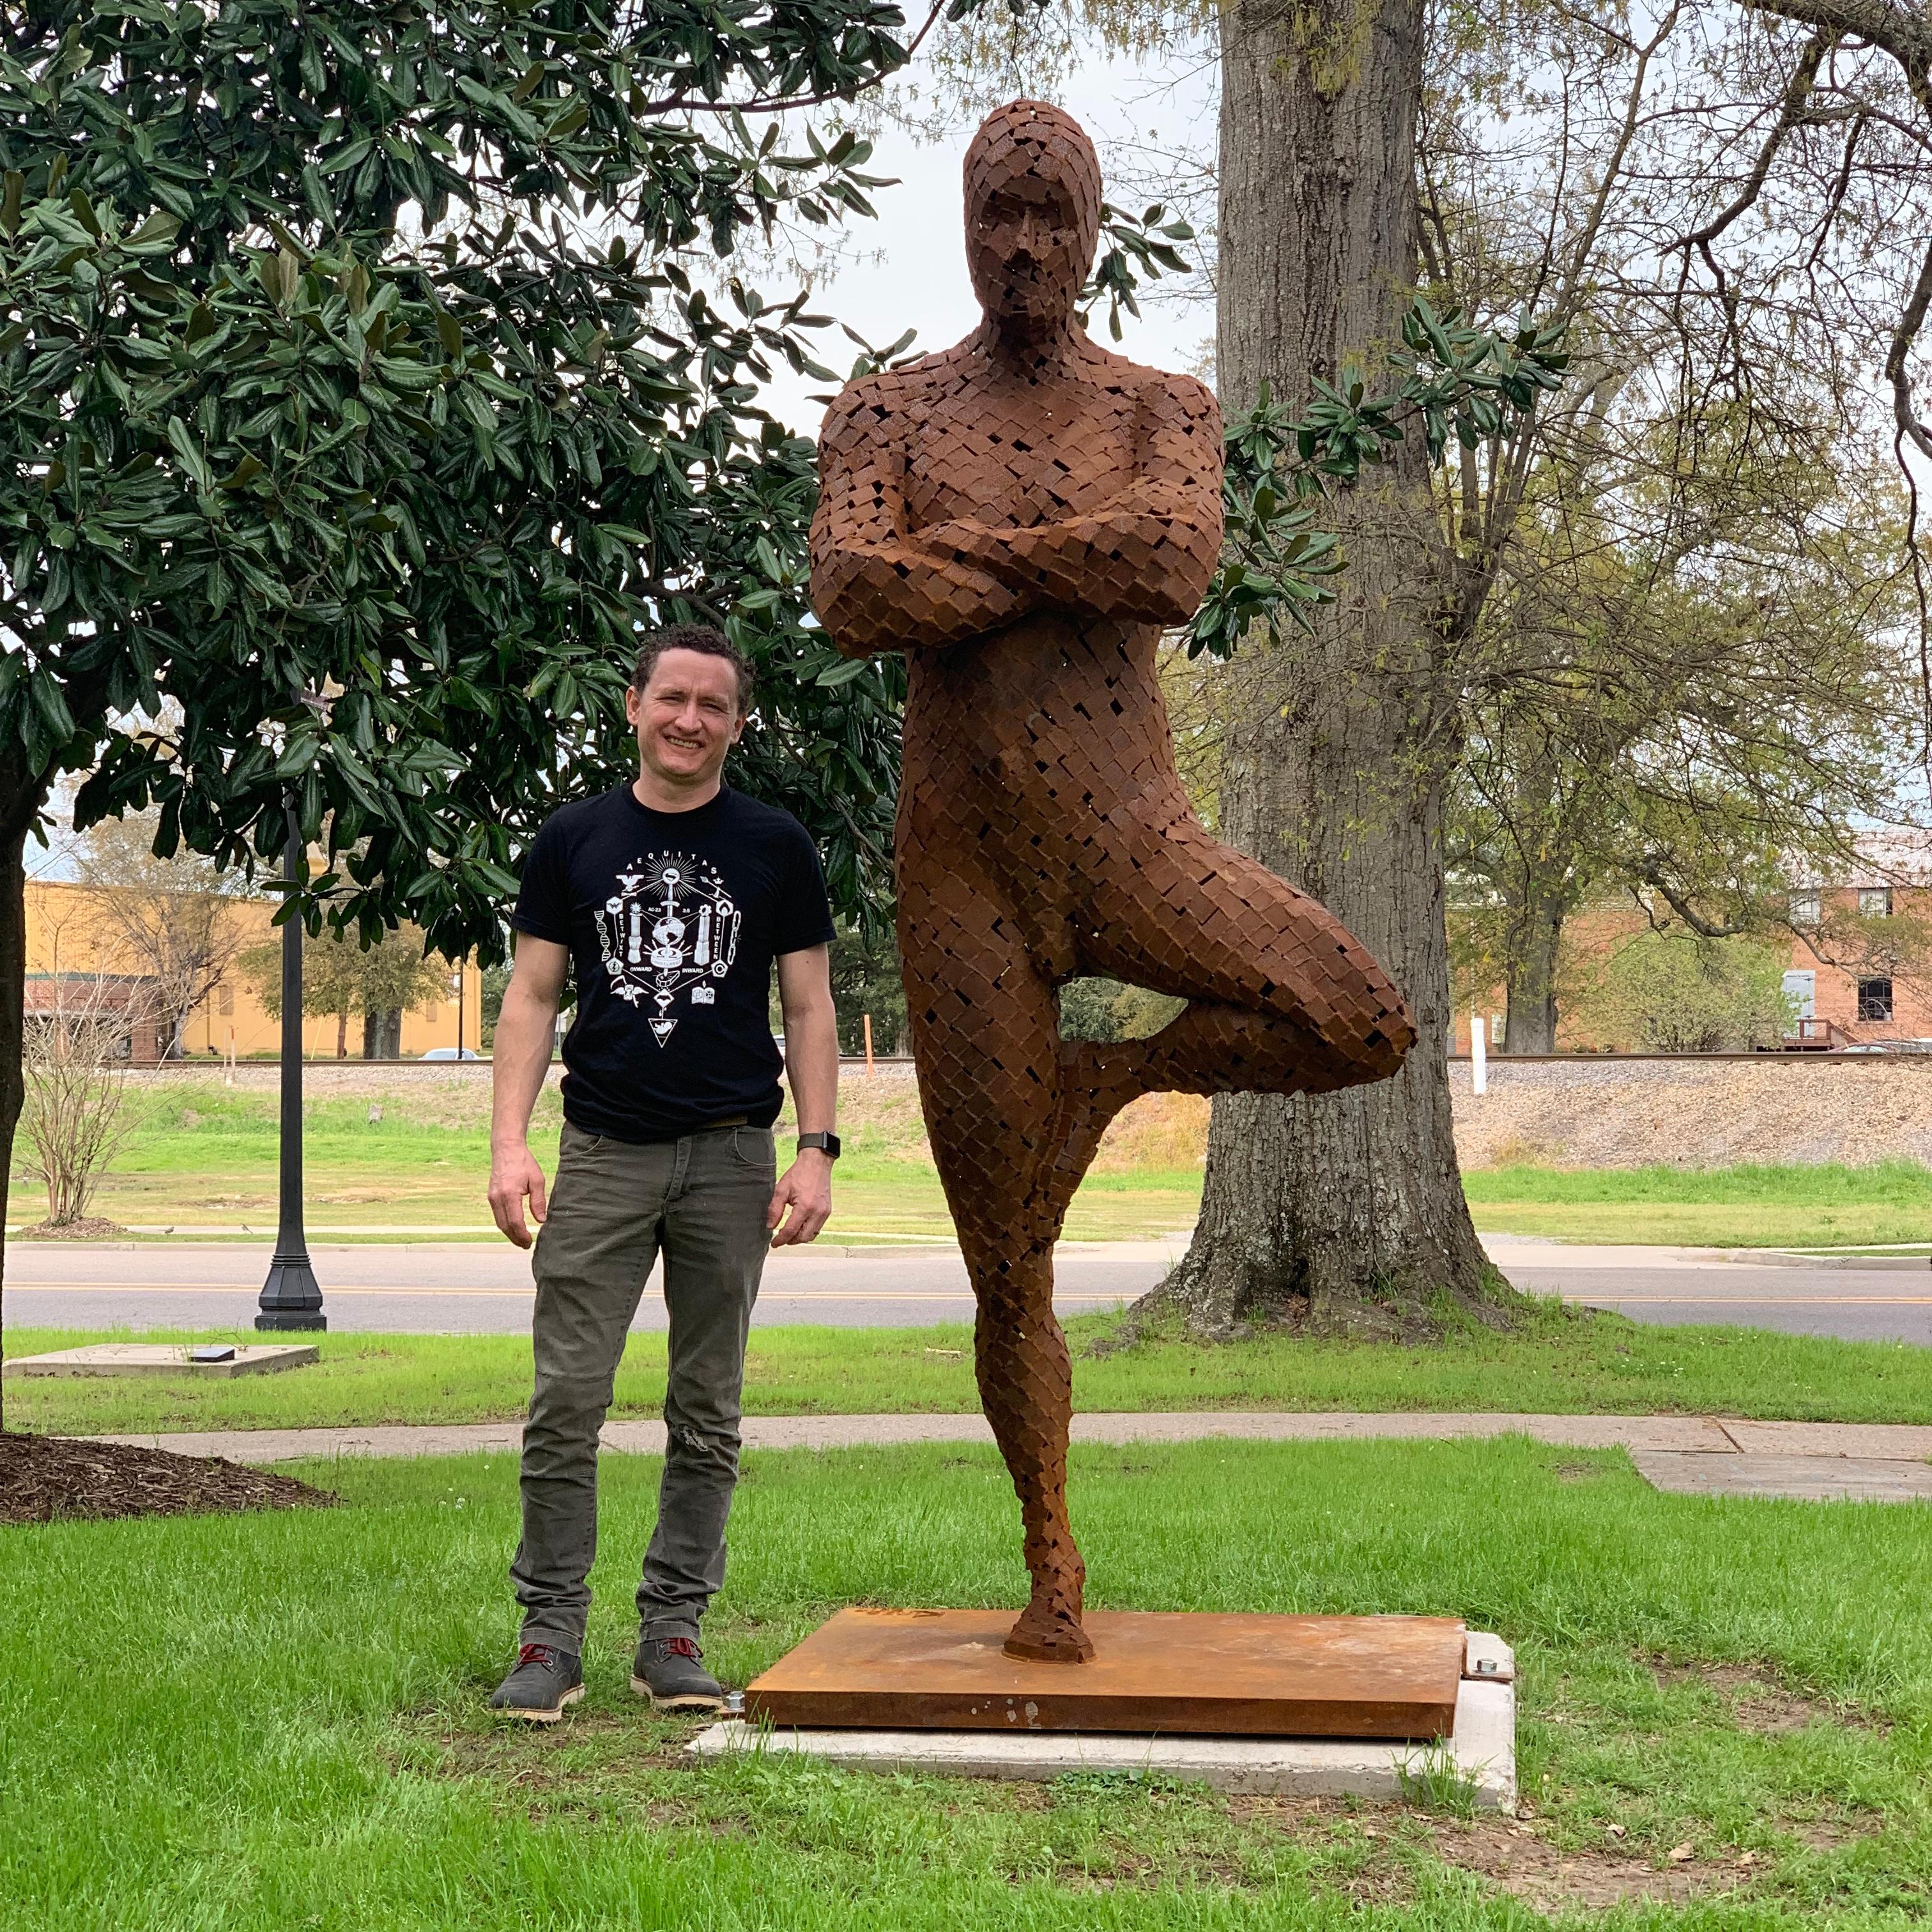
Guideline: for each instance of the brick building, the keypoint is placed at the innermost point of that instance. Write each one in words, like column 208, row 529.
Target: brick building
column 1859, row 963
column 74, row 955
column 1861, row 954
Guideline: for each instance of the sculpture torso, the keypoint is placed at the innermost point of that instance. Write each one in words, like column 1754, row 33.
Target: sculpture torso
column 960, row 440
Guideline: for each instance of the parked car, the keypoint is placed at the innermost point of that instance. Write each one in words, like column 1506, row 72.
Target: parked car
column 452, row 1053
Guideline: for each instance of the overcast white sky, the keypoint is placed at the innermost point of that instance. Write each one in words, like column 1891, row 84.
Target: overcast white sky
column 911, row 268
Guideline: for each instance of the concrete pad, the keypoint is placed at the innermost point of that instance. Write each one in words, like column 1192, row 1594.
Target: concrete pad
column 165, row 1358
column 1884, row 1442
column 1801, row 1478
column 1482, row 1749
column 1487, row 1659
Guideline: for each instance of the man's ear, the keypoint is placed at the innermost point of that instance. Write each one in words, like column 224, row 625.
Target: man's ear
column 632, row 698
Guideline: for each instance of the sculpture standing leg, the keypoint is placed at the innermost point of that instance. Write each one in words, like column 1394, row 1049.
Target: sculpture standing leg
column 1026, row 1387
column 985, row 1035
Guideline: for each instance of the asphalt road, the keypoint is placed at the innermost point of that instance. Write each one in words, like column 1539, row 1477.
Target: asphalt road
column 1889, row 1302
column 485, row 1289
column 463, row 1288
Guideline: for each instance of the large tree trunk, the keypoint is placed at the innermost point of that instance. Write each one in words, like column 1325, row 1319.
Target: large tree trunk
column 1530, row 1023
column 1336, row 746
column 19, row 801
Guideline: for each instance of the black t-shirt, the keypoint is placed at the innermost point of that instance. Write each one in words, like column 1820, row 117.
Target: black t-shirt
column 673, row 920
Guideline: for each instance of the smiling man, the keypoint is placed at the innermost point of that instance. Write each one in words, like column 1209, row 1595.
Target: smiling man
column 669, row 899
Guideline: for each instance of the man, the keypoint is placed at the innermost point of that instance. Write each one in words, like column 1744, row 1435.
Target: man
column 669, row 899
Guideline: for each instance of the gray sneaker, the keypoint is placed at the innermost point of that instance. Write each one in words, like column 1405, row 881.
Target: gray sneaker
column 670, row 1671
column 545, row 1680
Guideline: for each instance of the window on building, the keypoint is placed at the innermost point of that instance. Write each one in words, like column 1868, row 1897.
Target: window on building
column 1875, row 902
column 224, row 1001
column 1808, row 906
column 432, row 1015
column 1875, row 999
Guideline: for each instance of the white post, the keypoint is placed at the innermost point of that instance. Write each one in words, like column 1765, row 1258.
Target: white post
column 1479, row 1054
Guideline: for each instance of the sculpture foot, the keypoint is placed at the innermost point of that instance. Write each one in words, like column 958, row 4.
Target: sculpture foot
column 1049, row 1631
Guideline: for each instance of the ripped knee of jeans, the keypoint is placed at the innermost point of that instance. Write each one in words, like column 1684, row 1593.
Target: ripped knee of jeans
column 716, row 1446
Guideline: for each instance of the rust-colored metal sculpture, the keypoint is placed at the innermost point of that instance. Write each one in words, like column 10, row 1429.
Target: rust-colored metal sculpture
column 1022, row 515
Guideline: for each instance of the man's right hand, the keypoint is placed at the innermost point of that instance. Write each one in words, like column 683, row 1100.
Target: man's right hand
column 514, row 1174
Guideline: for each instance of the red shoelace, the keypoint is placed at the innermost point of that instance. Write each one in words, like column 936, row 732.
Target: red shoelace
column 683, row 1646
column 535, row 1653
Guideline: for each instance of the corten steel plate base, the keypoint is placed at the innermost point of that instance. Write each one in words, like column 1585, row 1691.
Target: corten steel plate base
column 1168, row 1671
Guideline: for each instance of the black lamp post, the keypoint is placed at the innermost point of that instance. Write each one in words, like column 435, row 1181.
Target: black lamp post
column 290, row 1297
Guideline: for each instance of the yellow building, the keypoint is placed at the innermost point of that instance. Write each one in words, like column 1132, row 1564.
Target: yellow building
column 74, row 940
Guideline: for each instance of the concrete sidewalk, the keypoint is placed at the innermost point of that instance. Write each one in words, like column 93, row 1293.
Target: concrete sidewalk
column 1690, row 1454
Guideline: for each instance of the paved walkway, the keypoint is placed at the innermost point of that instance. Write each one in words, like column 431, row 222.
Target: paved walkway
column 1688, row 1454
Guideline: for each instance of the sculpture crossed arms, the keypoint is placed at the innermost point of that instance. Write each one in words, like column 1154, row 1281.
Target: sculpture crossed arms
column 1144, row 554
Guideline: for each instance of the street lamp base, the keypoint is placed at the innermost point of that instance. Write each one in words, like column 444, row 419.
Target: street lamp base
column 291, row 1319
column 291, row 1297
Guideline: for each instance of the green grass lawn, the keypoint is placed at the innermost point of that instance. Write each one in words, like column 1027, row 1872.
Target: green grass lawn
column 205, row 1155
column 1562, row 1361
column 1824, row 1205
column 229, row 1724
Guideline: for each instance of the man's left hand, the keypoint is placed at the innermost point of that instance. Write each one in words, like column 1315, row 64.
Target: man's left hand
column 805, row 1188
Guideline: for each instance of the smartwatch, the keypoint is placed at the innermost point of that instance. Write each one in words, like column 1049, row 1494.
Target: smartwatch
column 828, row 1144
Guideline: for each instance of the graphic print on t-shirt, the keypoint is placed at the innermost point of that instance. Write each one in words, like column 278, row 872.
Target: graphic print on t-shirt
column 670, row 924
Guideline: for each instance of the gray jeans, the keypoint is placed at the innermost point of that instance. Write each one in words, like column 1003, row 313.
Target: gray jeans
column 701, row 1202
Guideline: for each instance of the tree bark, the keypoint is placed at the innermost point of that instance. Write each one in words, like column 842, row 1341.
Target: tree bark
column 1530, row 1023
column 1337, row 745
column 20, row 799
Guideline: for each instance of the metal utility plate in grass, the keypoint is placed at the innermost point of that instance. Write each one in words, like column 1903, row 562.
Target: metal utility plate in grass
column 165, row 1358
column 1468, row 1765
column 1226, row 1675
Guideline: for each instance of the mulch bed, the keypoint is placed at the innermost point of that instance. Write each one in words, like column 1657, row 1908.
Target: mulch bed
column 92, row 1228
column 56, row 1478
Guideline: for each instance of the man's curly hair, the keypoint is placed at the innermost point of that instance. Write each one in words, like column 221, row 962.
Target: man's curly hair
column 702, row 637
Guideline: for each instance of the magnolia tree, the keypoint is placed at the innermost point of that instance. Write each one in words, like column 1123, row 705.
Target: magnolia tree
column 368, row 377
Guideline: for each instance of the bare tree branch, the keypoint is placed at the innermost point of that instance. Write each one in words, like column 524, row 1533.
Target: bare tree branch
column 1703, row 927
column 1790, row 113
column 1904, row 32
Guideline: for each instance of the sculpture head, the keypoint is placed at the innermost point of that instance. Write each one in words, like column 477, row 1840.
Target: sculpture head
column 1033, row 216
